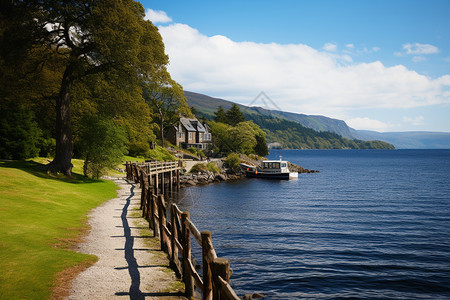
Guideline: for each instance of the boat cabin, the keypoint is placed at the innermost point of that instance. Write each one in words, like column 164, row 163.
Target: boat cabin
column 275, row 166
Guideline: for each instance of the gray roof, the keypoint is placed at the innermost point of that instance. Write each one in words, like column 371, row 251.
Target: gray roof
column 187, row 124
column 192, row 125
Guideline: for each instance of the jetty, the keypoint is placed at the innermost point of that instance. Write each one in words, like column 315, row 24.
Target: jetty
column 175, row 231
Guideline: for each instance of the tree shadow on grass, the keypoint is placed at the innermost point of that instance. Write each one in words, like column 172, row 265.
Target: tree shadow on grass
column 40, row 170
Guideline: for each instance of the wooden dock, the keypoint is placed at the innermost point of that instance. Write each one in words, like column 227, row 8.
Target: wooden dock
column 161, row 177
column 175, row 229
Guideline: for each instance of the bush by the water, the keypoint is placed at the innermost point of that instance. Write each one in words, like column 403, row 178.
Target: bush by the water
column 212, row 167
column 233, row 161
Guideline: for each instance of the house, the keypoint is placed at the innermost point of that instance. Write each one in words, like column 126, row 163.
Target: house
column 189, row 133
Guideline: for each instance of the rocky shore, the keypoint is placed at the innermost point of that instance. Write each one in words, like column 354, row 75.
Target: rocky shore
column 207, row 177
column 226, row 174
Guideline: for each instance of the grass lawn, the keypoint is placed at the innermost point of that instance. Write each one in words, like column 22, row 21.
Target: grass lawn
column 41, row 218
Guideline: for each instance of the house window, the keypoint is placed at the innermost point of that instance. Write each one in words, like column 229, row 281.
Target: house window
column 190, row 135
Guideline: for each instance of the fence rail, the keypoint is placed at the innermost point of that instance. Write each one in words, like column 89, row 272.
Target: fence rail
column 175, row 234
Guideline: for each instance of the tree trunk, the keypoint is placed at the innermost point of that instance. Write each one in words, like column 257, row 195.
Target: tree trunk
column 62, row 161
column 162, row 131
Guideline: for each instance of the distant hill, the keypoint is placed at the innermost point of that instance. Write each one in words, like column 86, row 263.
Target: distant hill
column 409, row 139
column 207, row 105
column 283, row 132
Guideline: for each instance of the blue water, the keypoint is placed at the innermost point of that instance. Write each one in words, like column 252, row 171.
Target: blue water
column 371, row 224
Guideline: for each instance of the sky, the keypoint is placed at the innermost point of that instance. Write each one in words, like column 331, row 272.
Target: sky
column 378, row 65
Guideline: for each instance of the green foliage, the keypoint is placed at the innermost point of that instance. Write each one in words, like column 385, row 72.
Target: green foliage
column 233, row 161
column 195, row 151
column 220, row 116
column 41, row 219
column 198, row 168
column 261, row 146
column 161, row 154
column 202, row 167
column 103, row 145
column 102, row 65
column 245, row 137
column 212, row 167
column 192, row 150
column 139, row 149
column 166, row 98
column 47, row 147
column 234, row 115
column 19, row 133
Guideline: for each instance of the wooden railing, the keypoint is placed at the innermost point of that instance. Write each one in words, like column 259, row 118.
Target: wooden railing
column 174, row 229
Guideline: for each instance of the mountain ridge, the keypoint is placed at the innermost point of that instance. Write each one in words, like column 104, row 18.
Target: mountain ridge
column 207, row 105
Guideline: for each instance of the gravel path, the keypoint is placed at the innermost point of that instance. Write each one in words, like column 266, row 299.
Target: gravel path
column 130, row 264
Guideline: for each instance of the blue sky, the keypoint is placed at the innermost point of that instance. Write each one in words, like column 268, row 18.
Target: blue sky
column 379, row 65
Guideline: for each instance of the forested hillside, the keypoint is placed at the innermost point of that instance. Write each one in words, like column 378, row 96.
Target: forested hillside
column 292, row 135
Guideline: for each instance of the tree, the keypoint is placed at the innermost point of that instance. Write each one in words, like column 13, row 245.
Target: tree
column 91, row 37
column 234, row 115
column 261, row 145
column 166, row 98
column 220, row 116
column 19, row 133
column 103, row 144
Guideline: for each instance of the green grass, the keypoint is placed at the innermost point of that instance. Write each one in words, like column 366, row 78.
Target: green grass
column 41, row 217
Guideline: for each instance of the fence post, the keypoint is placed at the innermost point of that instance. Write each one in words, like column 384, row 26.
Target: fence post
column 143, row 190
column 173, row 220
column 162, row 221
column 206, row 259
column 187, row 278
column 154, row 211
column 148, row 199
column 220, row 267
column 127, row 169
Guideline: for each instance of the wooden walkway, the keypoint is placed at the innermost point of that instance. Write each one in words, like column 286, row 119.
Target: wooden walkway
column 161, row 177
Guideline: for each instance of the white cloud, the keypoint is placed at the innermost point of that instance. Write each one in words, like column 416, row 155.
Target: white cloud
column 367, row 124
column 417, row 121
column 330, row 47
column 297, row 77
column 376, row 49
column 421, row 49
column 157, row 16
column 350, row 46
column 447, row 59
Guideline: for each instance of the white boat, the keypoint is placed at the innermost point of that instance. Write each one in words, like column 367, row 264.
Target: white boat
column 270, row 169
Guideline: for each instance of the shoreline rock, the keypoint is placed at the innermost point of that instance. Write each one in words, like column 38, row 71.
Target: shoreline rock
column 208, row 177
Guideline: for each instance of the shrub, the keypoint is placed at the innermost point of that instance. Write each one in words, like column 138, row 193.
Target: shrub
column 233, row 161
column 102, row 143
column 138, row 149
column 212, row 167
column 161, row 154
column 199, row 168
column 192, row 150
column 19, row 133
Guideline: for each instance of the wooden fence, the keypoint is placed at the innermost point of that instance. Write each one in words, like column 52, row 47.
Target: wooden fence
column 174, row 229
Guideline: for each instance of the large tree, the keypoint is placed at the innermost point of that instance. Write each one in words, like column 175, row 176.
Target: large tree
column 166, row 98
column 91, row 37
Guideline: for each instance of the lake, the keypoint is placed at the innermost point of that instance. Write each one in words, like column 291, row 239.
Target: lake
column 371, row 224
